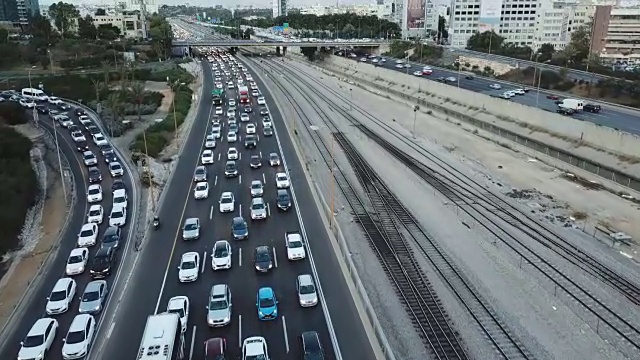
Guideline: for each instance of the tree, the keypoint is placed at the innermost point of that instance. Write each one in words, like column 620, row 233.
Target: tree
column 442, row 33
column 101, row 12
column 108, row 32
column 115, row 107
column 63, row 15
column 161, row 36
column 580, row 45
column 349, row 31
column 11, row 113
column 248, row 32
column 42, row 32
column 137, row 91
column 86, row 29
column 545, row 52
column 485, row 41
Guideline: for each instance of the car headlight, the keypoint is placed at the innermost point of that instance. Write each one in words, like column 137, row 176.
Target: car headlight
column 270, row 266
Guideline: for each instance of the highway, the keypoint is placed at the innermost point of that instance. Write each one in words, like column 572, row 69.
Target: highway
column 35, row 309
column 156, row 278
column 617, row 118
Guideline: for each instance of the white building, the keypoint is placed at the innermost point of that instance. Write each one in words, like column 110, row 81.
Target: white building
column 616, row 34
column 555, row 24
column 151, row 6
column 130, row 25
column 280, row 8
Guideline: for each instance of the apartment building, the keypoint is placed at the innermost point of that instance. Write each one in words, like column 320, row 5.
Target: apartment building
column 280, row 8
column 556, row 23
column 616, row 34
column 18, row 12
column 130, row 25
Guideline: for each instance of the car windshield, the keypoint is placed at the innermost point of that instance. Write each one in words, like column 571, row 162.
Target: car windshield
column 75, row 259
column 274, row 157
column 191, row 226
column 58, row 295
column 94, row 212
column 119, row 199
column 262, row 256
column 115, row 166
column 307, row 289
column 295, row 244
column 221, row 251
column 180, row 312
column 266, row 302
column 226, row 200
column 91, row 296
column 256, row 186
column 283, row 197
column 257, row 206
column 109, row 238
column 86, row 233
column 218, row 305
column 75, row 337
column 188, row 265
column 117, row 214
column 88, row 156
column 94, row 191
column 201, row 187
column 282, row 177
column 199, row 171
column 32, row 341
column 238, row 225
column 256, row 357
column 255, row 159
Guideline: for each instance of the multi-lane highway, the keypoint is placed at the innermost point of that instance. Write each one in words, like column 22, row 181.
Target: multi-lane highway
column 35, row 309
column 155, row 279
column 610, row 116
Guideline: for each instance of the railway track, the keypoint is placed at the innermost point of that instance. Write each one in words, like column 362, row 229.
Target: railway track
column 476, row 201
column 389, row 213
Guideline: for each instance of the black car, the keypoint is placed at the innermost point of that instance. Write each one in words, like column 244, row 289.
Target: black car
column 94, row 175
column 267, row 131
column 283, row 200
column 64, row 107
column 311, row 346
column 264, row 112
column 111, row 237
column 255, row 162
column 248, row 109
column 250, row 142
column 118, row 185
column 230, row 169
column 262, row 259
column 103, row 262
column 105, row 149
column 82, row 146
column 93, row 129
column 441, row 79
column 469, row 77
column 42, row 109
column 110, row 157
column 239, row 228
column 73, row 128
column 565, row 111
column 80, row 112
column 592, row 108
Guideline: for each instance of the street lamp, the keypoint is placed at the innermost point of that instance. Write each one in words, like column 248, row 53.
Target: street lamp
column 350, row 98
column 55, row 135
column 176, row 86
column 36, row 118
column 415, row 113
column 33, row 67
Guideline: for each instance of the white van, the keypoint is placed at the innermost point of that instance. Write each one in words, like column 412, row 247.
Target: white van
column 574, row 104
column 34, row 94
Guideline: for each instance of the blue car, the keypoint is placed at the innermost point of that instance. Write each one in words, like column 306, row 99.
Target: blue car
column 267, row 304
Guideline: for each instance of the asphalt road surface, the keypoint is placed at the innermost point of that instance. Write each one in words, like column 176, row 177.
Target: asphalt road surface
column 37, row 302
column 617, row 118
column 156, row 277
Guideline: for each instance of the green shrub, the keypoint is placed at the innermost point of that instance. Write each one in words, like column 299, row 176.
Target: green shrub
column 153, row 98
column 12, row 113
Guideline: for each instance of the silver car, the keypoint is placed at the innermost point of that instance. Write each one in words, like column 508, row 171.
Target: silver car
column 306, row 288
column 191, row 229
column 200, row 174
column 256, row 188
column 94, row 296
column 258, row 209
column 219, row 306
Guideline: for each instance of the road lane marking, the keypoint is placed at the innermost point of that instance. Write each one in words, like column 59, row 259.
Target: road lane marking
column 275, row 257
column 219, row 155
column 113, row 325
column 240, row 210
column 240, row 331
column 284, row 330
column 215, row 181
column 264, row 178
column 268, row 210
column 260, row 155
column 240, row 257
column 204, row 262
column 240, row 156
column 193, row 342
column 239, row 179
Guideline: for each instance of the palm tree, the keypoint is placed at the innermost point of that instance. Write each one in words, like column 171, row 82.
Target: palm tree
column 114, row 105
column 97, row 85
column 105, row 69
column 137, row 92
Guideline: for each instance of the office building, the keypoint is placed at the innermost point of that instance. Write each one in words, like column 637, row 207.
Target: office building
column 130, row 24
column 18, row 12
column 616, row 34
column 555, row 24
column 280, row 8
column 151, row 6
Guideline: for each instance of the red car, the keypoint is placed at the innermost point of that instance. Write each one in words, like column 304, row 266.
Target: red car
column 553, row 97
column 215, row 349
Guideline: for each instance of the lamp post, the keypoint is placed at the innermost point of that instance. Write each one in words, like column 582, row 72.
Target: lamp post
column 350, row 98
column 55, row 135
column 36, row 119
column 415, row 114
column 176, row 86
column 332, row 184
column 538, row 87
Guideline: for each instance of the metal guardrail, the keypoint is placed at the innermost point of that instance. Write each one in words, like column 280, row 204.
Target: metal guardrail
column 278, row 43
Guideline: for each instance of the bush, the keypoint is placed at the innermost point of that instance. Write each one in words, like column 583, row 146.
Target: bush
column 153, row 98
column 19, row 186
column 12, row 113
column 132, row 109
column 177, row 74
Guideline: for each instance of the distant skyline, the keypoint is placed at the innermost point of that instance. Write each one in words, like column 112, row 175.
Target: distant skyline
column 225, row 3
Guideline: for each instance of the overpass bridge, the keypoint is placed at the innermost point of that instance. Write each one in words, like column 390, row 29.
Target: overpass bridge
column 244, row 43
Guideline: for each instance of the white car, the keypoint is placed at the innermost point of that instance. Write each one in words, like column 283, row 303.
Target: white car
column 180, row 305
column 417, row 73
column 79, row 337
column 295, row 246
column 88, row 235
column 255, row 93
column 189, row 267
column 255, row 347
column 100, row 140
column 261, row 100
column 232, row 104
column 451, row 79
column 210, row 141
column 495, row 86
column 257, row 189
column 85, row 120
column 89, row 158
column 519, row 91
column 118, row 216
column 244, row 117
column 54, row 100
column 282, row 180
column 219, row 110
column 266, row 122
column 274, row 159
column 230, row 84
column 77, row 261
column 259, row 209
column 227, row 202
column 232, row 137
column 399, row 66
column 30, row 104
column 115, row 169
column 232, row 154
column 201, row 191
column 207, row 157
column 219, row 85
column 216, row 127
column 96, row 214
column 39, row 339
column 251, row 128
column 94, row 193
column 120, row 198
column 64, row 121
column 78, row 136
column 221, row 255
column 61, row 296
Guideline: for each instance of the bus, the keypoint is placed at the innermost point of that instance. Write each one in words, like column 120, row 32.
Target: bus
column 243, row 95
column 162, row 338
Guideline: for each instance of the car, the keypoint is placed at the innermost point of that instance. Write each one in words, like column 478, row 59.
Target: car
column 216, row 349
column 282, row 180
column 495, row 86
column 94, row 175
column 255, row 162
column 88, row 235
column 232, row 104
column 210, row 141
column 93, row 130
column 85, row 120
column 99, row 139
column 191, row 229
column 106, row 149
column 592, row 108
column 115, row 169
column 259, row 209
column 518, row 91
column 565, row 111
column 219, row 85
column 219, row 110
column 78, row 341
column 118, row 216
column 89, row 159
column 180, row 305
column 80, row 112
column 230, row 169
column 61, row 296
column 201, row 190
column 266, row 122
column 220, row 306
column 82, row 146
column 216, row 134
column 427, row 71
column 95, row 214
column 111, row 237
column 230, row 84
column 231, row 112
column 267, row 304
column 118, row 185
column 239, row 228
column 244, row 117
column 232, row 154
column 255, row 93
column 120, row 198
column 399, row 66
column 233, row 126
column 553, row 97
column 78, row 136
column 274, row 159
column 39, row 339
column 250, row 142
column 221, row 255
column 267, row 131
column 77, row 261
column 469, row 77
column 227, row 202
column 94, row 193
column 255, row 348
column 94, row 297
column 103, row 262
column 189, row 267
column 256, row 188
column 54, row 100
column 200, row 174
column 306, row 289
column 29, row 104
column 262, row 259
column 451, row 79
column 283, row 200
column 247, row 109
column 261, row 100
column 232, row 137
column 264, row 112
column 295, row 246
column 251, row 129
column 207, row 157
column 64, row 107
column 417, row 73
column 311, row 346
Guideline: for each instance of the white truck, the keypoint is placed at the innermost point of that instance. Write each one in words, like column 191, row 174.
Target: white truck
column 295, row 245
column 573, row 104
